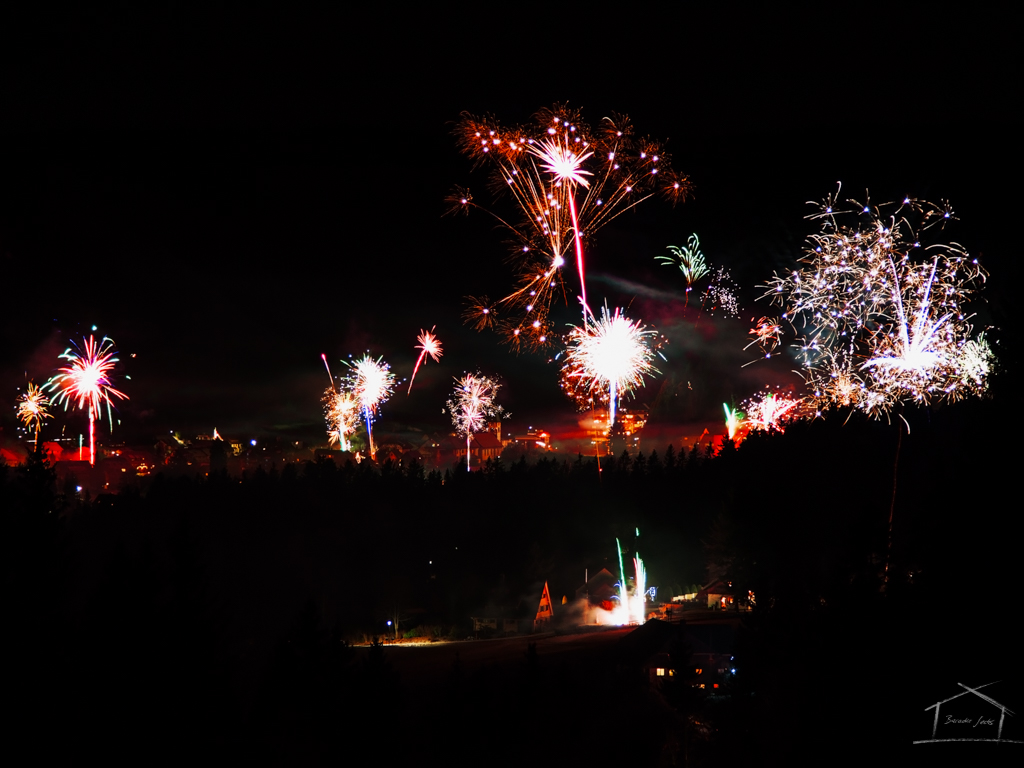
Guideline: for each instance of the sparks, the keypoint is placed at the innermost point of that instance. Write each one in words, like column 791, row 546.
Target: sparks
column 772, row 411
column 479, row 313
column 371, row 383
column 33, row 408
column 876, row 326
column 342, row 413
column 567, row 181
column 908, row 359
column 767, row 333
column 612, row 353
column 561, row 162
column 631, row 608
column 721, row 294
column 473, row 406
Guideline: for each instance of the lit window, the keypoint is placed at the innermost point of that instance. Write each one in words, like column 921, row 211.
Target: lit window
column 661, row 672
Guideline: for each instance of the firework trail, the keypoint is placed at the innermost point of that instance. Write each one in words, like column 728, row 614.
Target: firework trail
column 563, row 163
column 690, row 261
column 371, row 383
column 612, row 353
column 567, row 181
column 32, row 409
column 430, row 345
column 473, row 406
column 329, row 374
column 880, row 318
column 86, row 379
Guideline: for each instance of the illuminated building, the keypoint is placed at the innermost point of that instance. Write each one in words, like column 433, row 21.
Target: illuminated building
column 628, row 424
column 545, row 611
column 534, row 438
column 482, row 446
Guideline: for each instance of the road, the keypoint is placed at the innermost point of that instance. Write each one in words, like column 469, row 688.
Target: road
column 430, row 664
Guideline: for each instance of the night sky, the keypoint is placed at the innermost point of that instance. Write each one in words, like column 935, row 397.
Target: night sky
column 230, row 193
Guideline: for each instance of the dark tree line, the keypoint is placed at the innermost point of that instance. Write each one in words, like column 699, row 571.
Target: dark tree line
column 221, row 609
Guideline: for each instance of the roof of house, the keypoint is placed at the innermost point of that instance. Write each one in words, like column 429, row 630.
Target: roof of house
column 644, row 642
column 717, row 587
column 600, row 586
column 486, row 441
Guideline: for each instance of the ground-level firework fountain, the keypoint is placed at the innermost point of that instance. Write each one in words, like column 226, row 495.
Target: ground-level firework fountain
column 631, row 607
column 618, row 603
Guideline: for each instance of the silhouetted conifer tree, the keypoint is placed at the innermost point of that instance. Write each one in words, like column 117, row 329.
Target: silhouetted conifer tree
column 623, row 465
column 639, row 468
column 670, row 460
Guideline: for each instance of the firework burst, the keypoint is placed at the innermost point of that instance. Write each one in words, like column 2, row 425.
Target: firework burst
column 429, row 345
column 32, row 409
column 581, row 390
column 975, row 362
column 721, row 294
column 690, row 261
column 767, row 333
column 880, row 318
column 342, row 412
column 371, row 383
column 473, row 406
column 85, row 381
column 567, row 181
column 532, row 333
column 479, row 313
column 612, row 354
column 772, row 411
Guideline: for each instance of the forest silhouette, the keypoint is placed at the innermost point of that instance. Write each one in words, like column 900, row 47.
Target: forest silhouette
column 224, row 611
